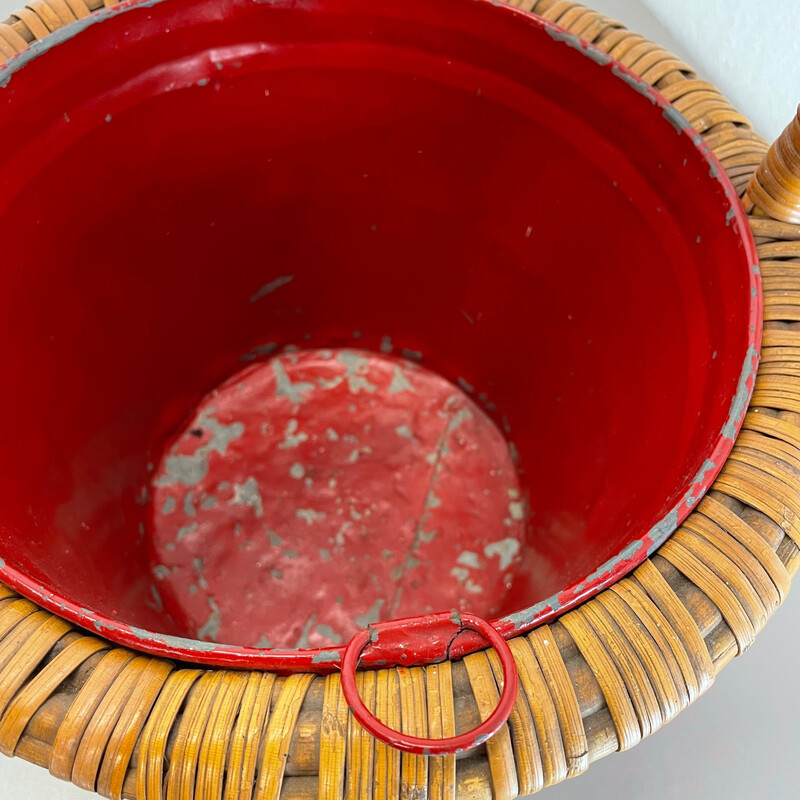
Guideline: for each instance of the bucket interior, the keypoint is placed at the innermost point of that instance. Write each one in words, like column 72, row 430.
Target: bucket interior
column 431, row 261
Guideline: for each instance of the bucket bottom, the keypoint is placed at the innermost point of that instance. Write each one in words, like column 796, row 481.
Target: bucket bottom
column 323, row 490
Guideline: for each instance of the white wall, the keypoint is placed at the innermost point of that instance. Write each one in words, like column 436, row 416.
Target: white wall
column 742, row 740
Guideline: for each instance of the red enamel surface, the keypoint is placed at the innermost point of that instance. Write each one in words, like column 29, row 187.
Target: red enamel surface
column 323, row 465
column 190, row 187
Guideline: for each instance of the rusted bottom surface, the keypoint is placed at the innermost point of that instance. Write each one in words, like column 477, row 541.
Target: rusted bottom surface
column 323, row 490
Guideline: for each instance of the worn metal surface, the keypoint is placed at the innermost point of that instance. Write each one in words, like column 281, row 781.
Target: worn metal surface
column 322, row 491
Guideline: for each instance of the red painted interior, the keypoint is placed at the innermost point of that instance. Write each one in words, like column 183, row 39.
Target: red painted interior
column 448, row 175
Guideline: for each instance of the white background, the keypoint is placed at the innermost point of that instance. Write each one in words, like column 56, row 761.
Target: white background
column 741, row 741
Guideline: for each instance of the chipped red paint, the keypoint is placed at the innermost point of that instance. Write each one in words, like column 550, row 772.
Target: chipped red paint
column 465, row 179
column 440, row 626
column 328, row 463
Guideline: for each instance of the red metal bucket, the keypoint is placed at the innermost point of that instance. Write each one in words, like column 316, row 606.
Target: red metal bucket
column 320, row 314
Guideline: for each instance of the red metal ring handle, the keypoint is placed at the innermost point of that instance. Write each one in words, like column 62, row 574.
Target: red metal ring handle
column 416, row 744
